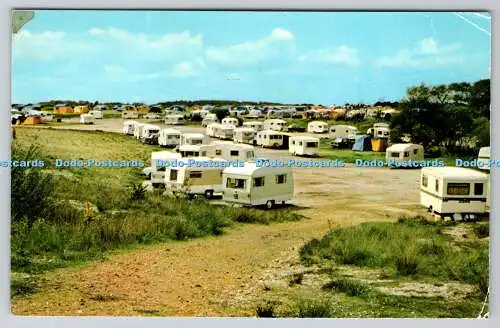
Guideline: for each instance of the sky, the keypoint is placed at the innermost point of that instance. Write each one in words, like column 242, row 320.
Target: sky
column 289, row 57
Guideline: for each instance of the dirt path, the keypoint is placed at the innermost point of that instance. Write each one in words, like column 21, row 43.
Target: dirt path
column 199, row 277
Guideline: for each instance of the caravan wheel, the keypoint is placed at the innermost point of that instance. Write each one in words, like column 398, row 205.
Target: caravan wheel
column 270, row 204
column 209, row 194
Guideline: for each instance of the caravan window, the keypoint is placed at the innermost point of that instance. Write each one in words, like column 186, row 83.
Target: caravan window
column 196, row 142
column 415, row 151
column 458, row 189
column 407, row 154
column 195, row 174
column 236, row 183
column 250, row 154
column 437, row 185
column 293, row 142
column 424, row 180
column 161, row 169
column 478, row 188
column 281, row 179
column 333, row 130
column 203, row 153
column 173, row 175
column 258, row 182
column 394, row 154
column 300, row 143
column 218, row 152
column 234, row 153
column 312, row 144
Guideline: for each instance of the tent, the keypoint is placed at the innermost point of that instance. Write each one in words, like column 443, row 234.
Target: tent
column 32, row 120
column 362, row 143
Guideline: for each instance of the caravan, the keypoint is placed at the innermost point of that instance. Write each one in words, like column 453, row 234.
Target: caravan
column 255, row 185
column 192, row 139
column 274, row 124
column 129, row 127
column 231, row 151
column 128, row 114
column 343, row 132
column 196, row 150
column 303, row 146
column 317, row 127
column 244, row 135
column 453, row 191
column 150, row 134
column 194, row 179
column 174, row 120
column 220, row 131
column 483, row 158
column 96, row 113
column 209, row 119
column 87, row 119
column 272, row 139
column 380, row 130
column 398, row 155
column 156, row 172
column 230, row 121
column 257, row 126
column 169, row 137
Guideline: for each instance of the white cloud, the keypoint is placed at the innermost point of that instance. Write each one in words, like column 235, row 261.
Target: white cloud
column 188, row 69
column 45, row 45
column 251, row 51
column 429, row 53
column 340, row 55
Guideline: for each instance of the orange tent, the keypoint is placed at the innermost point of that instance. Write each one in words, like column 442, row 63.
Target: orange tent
column 32, row 120
column 81, row 109
column 143, row 109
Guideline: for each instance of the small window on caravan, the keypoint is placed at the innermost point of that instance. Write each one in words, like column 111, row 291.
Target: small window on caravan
column 415, row 151
column 300, row 143
column 218, row 152
column 478, row 188
column 170, row 137
column 281, row 179
column 258, row 182
column 407, row 154
column 293, row 142
column 312, row 144
column 203, row 153
column 250, row 154
column 379, row 133
column 461, row 189
column 173, row 175
column 236, row 183
column 161, row 169
column 234, row 153
column 346, row 131
column 395, row 154
column 437, row 185
column 333, row 130
column 195, row 174
column 424, row 180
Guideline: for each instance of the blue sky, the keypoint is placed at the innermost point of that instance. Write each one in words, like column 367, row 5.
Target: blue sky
column 290, row 57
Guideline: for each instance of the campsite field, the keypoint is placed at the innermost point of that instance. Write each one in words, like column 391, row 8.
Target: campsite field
column 245, row 267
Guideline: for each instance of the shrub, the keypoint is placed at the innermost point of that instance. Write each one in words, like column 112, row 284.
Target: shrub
column 266, row 310
column 406, row 265
column 313, row 308
column 348, row 286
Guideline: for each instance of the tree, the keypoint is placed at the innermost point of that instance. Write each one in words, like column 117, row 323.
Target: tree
column 480, row 99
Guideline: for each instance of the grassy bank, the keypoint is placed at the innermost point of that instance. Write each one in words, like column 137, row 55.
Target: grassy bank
column 65, row 216
column 410, row 268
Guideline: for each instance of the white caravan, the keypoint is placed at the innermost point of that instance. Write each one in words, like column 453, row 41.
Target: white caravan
column 399, row 154
column 274, row 124
column 255, row 113
column 96, row 113
column 129, row 127
column 483, row 158
column 220, row 131
column 257, row 126
column 192, row 139
column 209, row 119
column 138, row 130
column 452, row 191
column 46, row 117
column 169, row 137
column 230, row 121
column 253, row 185
column 317, row 127
column 150, row 134
column 343, row 132
column 159, row 161
column 271, row 139
column 244, row 135
column 87, row 119
column 194, row 179
column 380, row 130
column 303, row 146
column 174, row 119
column 231, row 151
column 130, row 114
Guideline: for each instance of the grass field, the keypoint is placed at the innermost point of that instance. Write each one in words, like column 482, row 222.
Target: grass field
column 411, row 268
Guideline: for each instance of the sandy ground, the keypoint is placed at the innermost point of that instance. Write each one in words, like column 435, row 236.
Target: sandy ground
column 202, row 277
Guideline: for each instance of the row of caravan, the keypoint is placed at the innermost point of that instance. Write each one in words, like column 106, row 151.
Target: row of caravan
column 347, row 131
